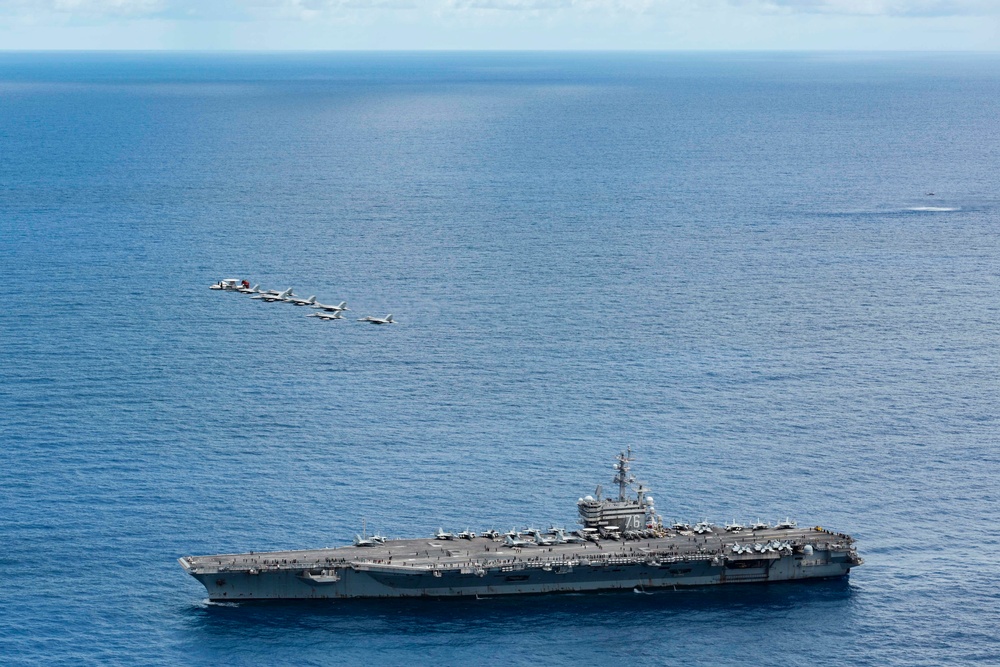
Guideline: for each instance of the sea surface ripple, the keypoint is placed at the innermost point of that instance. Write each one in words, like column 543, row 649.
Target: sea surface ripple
column 732, row 263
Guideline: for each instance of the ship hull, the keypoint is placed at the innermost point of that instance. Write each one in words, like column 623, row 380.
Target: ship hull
column 386, row 581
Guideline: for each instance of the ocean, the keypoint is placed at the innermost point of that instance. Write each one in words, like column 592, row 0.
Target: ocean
column 775, row 276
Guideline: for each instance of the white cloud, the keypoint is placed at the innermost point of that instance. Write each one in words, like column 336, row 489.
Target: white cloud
column 331, row 5
column 606, row 6
column 846, row 7
column 192, row 8
column 877, row 7
column 513, row 5
column 306, row 8
column 84, row 7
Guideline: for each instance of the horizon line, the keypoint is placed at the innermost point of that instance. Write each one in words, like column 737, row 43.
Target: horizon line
column 513, row 50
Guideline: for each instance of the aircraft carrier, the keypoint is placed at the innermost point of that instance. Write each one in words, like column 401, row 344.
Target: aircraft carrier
column 622, row 545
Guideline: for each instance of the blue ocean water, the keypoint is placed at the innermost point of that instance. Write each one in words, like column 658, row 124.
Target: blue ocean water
column 732, row 263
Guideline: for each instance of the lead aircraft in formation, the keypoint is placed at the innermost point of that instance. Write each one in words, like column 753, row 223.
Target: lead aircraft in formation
column 378, row 320
column 325, row 311
column 323, row 315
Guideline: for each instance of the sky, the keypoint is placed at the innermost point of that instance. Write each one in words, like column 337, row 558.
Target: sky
column 264, row 25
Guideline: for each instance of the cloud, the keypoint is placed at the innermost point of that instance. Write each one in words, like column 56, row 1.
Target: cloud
column 607, row 6
column 612, row 9
column 513, row 5
column 308, row 10
column 332, row 5
column 876, row 7
column 844, row 7
column 238, row 10
column 84, row 7
column 305, row 9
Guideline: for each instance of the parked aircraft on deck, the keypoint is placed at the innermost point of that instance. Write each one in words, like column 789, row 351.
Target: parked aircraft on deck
column 516, row 542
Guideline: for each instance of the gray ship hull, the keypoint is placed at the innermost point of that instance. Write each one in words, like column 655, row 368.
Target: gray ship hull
column 482, row 567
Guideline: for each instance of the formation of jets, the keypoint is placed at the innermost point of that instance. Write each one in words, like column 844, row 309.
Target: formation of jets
column 323, row 311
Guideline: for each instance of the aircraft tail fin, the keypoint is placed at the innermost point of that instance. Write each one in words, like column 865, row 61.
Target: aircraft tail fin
column 388, row 318
column 312, row 299
column 343, row 305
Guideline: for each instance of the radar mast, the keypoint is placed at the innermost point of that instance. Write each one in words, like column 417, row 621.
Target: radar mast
column 622, row 476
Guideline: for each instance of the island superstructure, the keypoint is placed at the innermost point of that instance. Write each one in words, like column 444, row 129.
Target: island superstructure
column 623, row 544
